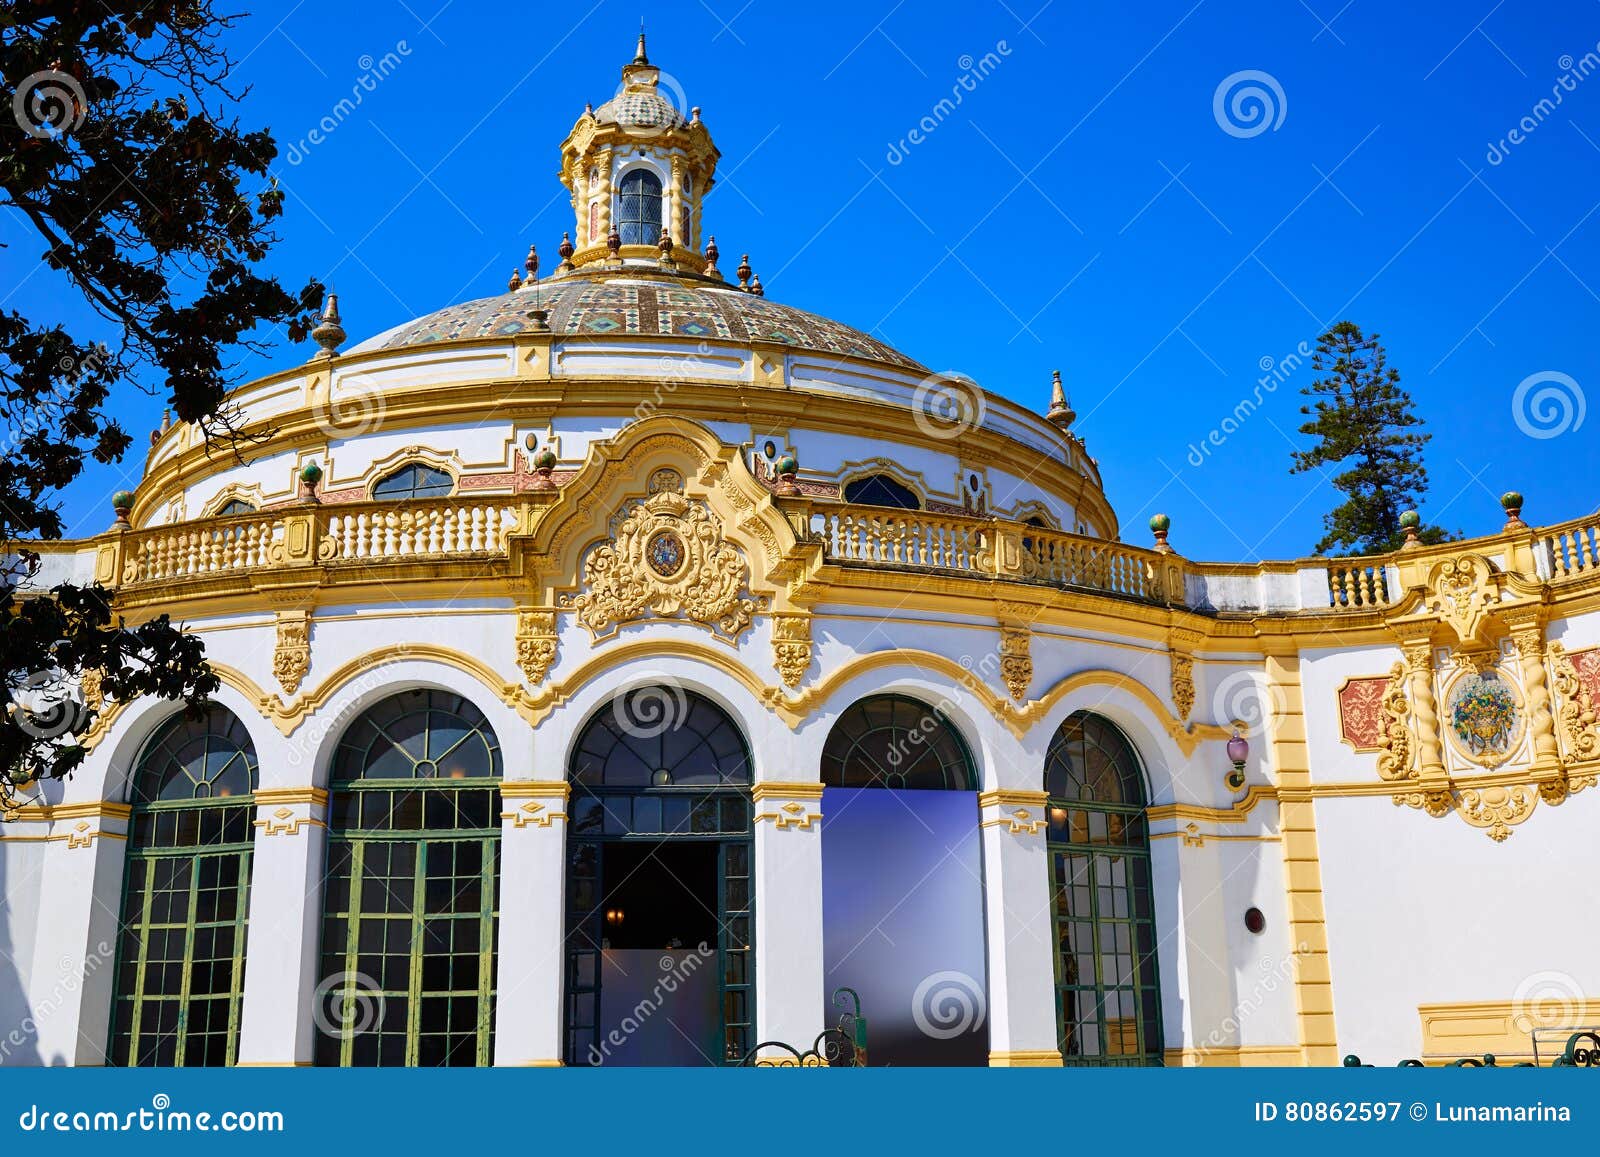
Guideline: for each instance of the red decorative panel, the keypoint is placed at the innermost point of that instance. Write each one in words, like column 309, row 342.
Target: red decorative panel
column 1587, row 665
column 1361, row 717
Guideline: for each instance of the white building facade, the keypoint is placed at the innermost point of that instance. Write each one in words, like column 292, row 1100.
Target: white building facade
column 614, row 668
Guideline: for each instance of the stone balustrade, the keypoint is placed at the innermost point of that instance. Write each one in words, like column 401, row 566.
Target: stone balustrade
column 379, row 533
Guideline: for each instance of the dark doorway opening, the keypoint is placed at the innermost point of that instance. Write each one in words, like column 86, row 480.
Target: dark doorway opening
column 659, row 895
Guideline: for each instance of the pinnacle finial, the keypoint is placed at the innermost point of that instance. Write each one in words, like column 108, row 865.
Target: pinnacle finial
column 711, row 257
column 743, row 272
column 329, row 334
column 1060, row 412
column 640, row 57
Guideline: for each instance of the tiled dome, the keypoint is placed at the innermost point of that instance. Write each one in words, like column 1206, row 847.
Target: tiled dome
column 647, row 109
column 623, row 306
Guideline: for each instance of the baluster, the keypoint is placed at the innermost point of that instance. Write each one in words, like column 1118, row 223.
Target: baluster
column 477, row 528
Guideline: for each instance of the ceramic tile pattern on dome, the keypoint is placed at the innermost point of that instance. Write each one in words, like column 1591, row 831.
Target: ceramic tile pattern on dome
column 626, row 307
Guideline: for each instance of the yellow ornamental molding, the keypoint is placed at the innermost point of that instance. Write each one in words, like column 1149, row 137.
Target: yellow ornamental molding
column 1394, row 759
column 1497, row 809
column 1577, row 712
column 1462, row 590
column 285, row 822
column 532, row 814
column 291, row 655
column 315, row 796
column 535, row 789
column 1182, row 684
column 668, row 559
column 789, row 815
column 791, row 647
column 536, row 644
column 1016, row 661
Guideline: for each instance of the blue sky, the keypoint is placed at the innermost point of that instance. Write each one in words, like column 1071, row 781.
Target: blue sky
column 1083, row 208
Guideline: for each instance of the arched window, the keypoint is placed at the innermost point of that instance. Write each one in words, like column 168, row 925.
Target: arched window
column 1108, row 999
column 896, row 741
column 414, row 481
column 658, row 858
column 639, row 208
column 881, row 490
column 235, row 506
column 902, row 880
column 410, row 898
column 180, row 955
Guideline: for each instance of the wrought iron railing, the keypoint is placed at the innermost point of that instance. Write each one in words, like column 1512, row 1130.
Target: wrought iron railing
column 1582, row 1052
column 843, row 1045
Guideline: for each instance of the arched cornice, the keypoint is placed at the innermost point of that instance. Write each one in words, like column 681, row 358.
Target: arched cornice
column 618, row 469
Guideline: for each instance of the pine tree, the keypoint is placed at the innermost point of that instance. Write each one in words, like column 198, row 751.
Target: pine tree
column 1364, row 421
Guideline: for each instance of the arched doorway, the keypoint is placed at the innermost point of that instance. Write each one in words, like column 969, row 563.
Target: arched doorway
column 185, row 894
column 660, row 928
column 1108, row 1003
column 902, row 881
column 410, row 895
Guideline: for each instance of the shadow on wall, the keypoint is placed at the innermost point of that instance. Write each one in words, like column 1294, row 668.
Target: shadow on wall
column 19, row 1033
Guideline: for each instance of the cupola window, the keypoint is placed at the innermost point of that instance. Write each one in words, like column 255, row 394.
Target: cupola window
column 881, row 490
column 414, row 481
column 639, row 208
column 235, row 506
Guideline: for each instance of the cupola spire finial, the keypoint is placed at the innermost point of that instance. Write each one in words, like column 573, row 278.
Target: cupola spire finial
column 640, row 57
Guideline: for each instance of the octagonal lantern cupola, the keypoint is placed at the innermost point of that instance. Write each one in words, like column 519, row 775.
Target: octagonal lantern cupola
column 638, row 165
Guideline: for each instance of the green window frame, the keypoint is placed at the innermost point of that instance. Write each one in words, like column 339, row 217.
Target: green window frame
column 179, row 978
column 1108, row 1000
column 411, row 890
column 896, row 741
column 414, row 480
column 659, row 765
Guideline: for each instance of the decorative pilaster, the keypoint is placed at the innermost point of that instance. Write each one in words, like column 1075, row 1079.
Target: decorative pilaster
column 675, row 202
column 536, row 643
column 791, row 647
column 1308, row 934
column 603, row 165
column 1527, row 632
column 790, row 975
column 291, row 656
column 1016, row 880
column 1424, row 712
column 533, row 836
column 277, row 1018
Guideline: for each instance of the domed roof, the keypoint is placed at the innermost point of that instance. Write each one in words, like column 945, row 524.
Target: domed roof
column 645, row 108
column 624, row 305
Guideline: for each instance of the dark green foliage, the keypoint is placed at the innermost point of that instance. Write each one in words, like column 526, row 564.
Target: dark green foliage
column 156, row 208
